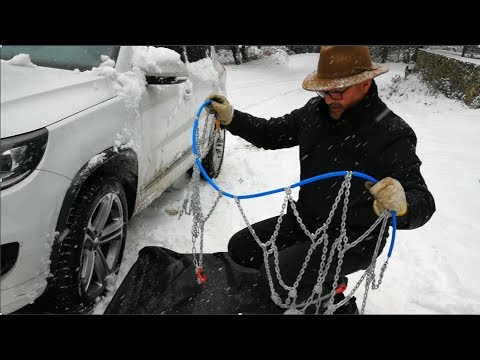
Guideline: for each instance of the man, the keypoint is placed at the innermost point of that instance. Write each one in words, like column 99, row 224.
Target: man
column 346, row 127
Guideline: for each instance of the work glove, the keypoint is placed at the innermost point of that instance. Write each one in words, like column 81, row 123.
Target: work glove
column 221, row 107
column 389, row 195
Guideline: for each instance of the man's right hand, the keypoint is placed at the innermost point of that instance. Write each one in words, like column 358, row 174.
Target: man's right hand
column 221, row 107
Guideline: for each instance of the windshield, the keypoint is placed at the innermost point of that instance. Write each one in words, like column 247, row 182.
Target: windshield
column 63, row 57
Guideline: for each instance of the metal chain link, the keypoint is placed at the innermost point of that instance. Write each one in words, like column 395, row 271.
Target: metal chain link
column 380, row 278
column 193, row 194
column 324, row 237
column 341, row 244
column 371, row 269
column 343, row 237
column 293, row 290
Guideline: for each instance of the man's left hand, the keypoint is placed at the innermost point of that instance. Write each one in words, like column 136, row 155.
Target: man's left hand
column 389, row 195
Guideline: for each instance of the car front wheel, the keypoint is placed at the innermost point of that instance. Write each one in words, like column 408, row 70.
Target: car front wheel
column 93, row 249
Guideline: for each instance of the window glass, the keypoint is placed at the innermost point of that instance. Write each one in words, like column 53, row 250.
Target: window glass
column 194, row 52
column 63, row 57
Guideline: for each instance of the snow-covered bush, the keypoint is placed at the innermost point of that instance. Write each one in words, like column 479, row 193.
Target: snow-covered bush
column 401, row 89
column 225, row 56
column 254, row 53
column 275, row 54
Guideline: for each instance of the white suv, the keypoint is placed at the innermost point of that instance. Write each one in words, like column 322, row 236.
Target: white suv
column 90, row 136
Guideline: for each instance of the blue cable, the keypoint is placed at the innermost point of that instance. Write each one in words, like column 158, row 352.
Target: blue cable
column 300, row 183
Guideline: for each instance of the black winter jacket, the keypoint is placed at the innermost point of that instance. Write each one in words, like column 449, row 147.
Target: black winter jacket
column 369, row 138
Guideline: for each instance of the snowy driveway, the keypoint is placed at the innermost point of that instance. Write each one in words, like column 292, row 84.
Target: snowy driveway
column 433, row 270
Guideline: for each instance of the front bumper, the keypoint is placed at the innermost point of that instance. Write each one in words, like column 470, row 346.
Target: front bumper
column 29, row 213
column 24, row 294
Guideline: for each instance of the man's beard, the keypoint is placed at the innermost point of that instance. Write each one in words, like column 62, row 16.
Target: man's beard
column 336, row 111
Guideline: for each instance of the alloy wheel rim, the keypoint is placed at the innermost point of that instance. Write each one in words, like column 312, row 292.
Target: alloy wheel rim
column 102, row 245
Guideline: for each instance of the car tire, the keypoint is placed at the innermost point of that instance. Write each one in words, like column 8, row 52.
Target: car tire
column 212, row 162
column 94, row 247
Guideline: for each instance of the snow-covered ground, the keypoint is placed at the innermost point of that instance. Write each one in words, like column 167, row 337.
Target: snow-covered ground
column 433, row 270
column 454, row 55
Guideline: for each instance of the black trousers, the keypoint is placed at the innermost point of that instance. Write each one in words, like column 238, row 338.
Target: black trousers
column 293, row 245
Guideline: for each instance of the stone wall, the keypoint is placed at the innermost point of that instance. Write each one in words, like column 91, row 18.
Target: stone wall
column 454, row 78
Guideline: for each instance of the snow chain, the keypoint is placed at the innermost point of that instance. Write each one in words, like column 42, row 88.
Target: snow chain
column 323, row 304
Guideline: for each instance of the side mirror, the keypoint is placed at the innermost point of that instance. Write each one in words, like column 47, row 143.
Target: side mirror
column 161, row 80
column 160, row 65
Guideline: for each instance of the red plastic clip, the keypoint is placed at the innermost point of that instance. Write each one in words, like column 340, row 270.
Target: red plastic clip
column 340, row 288
column 201, row 277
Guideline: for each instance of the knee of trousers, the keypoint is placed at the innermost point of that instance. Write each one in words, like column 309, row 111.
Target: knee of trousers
column 238, row 247
column 234, row 243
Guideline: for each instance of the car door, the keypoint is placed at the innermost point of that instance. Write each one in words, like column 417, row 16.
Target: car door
column 165, row 109
column 203, row 79
column 168, row 111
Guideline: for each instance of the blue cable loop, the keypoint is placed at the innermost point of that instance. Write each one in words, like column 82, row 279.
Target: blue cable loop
column 300, row 183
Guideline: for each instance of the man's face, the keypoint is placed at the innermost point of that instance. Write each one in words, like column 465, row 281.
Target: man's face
column 339, row 100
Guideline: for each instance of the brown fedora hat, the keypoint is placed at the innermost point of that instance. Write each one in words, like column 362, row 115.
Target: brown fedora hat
column 342, row 66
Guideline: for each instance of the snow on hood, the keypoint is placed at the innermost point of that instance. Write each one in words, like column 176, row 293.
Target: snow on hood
column 20, row 60
column 35, row 97
column 129, row 86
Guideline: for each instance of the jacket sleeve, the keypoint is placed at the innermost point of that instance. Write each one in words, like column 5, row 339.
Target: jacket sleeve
column 276, row 133
column 400, row 161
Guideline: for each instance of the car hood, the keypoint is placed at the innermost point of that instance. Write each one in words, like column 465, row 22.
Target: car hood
column 32, row 98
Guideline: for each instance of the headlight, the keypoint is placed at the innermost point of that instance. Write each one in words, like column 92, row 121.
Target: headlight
column 20, row 155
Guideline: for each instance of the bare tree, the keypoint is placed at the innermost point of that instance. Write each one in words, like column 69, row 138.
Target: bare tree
column 464, row 50
column 234, row 49
column 243, row 50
